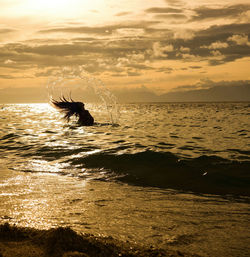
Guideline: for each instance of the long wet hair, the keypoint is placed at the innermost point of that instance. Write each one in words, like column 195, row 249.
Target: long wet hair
column 68, row 107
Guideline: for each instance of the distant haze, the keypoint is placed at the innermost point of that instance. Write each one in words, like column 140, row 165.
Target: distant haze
column 225, row 91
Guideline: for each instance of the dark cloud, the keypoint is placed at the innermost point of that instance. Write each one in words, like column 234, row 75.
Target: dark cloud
column 222, row 32
column 118, row 75
column 163, row 10
column 105, row 53
column 54, row 50
column 96, row 56
column 174, row 2
column 127, row 47
column 105, row 30
column 123, row 13
column 25, row 56
column 215, row 62
column 5, row 31
column 195, row 67
column 211, row 37
column 46, row 41
column 133, row 73
column 231, row 54
column 2, row 76
column 139, row 66
column 166, row 70
column 84, row 39
column 223, row 12
column 113, row 48
column 46, row 72
column 171, row 16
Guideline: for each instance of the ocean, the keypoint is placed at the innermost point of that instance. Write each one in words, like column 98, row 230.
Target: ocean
column 171, row 175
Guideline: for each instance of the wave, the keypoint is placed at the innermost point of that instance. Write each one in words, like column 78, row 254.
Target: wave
column 205, row 174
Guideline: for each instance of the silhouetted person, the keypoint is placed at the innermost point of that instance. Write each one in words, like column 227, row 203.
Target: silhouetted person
column 70, row 108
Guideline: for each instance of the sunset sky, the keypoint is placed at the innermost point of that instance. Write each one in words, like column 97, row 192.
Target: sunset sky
column 156, row 45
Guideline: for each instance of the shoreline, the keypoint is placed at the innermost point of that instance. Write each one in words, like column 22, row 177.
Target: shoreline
column 63, row 241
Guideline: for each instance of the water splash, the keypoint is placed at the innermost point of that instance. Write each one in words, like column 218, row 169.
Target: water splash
column 76, row 83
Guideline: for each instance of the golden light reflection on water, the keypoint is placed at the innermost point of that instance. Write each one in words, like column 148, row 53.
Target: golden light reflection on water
column 45, row 166
column 42, row 199
column 34, row 200
column 147, row 216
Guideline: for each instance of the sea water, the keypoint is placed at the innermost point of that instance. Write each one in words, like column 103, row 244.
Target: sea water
column 172, row 175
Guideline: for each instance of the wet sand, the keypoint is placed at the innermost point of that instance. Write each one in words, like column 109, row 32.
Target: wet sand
column 27, row 242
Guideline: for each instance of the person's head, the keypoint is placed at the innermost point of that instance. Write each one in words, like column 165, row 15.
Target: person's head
column 69, row 108
column 80, row 105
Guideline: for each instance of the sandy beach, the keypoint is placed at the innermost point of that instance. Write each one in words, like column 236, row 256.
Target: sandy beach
column 27, row 242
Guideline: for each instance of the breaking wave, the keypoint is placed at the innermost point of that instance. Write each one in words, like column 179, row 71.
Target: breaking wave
column 205, row 174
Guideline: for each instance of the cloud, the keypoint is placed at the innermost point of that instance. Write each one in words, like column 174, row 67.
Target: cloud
column 137, row 57
column 9, row 61
column 163, row 10
column 187, row 56
column 101, row 30
column 174, row 2
column 104, row 30
column 184, row 49
column 129, row 32
column 96, row 56
column 175, row 16
column 240, row 39
column 167, row 13
column 232, row 11
column 217, row 38
column 133, row 73
column 140, row 43
column 123, row 13
column 185, row 34
column 132, row 42
column 161, row 51
column 141, row 37
column 6, row 31
column 195, row 67
column 216, row 45
column 216, row 53
column 3, row 76
column 105, row 47
column 166, row 70
column 216, row 58
column 223, row 31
